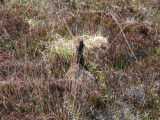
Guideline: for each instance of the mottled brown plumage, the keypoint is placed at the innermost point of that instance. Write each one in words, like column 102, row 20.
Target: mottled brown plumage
column 78, row 70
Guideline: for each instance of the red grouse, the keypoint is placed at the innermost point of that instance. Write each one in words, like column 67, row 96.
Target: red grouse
column 78, row 70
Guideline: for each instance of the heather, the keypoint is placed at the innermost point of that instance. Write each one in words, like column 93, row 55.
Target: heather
column 122, row 50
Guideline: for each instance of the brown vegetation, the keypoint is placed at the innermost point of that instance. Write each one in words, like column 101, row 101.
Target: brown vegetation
column 32, row 75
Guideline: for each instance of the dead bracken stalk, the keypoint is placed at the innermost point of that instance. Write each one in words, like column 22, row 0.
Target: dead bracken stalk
column 27, row 8
column 68, row 28
column 124, row 36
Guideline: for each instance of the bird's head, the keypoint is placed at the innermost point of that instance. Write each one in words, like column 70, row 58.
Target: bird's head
column 78, row 43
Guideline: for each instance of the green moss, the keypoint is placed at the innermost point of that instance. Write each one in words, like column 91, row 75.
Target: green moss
column 143, row 29
column 100, row 76
column 26, row 108
column 2, row 106
column 95, row 101
column 127, row 29
column 96, row 6
column 158, row 51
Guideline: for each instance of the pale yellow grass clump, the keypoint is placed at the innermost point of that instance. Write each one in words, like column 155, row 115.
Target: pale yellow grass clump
column 89, row 41
column 65, row 47
column 94, row 41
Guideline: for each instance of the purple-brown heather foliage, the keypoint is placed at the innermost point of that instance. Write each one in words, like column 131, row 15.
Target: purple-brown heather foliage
column 33, row 88
column 15, row 27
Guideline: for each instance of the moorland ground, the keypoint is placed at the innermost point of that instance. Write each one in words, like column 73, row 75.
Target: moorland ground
column 122, row 50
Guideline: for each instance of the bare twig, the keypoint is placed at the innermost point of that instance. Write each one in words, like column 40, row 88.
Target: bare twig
column 4, row 102
column 60, row 11
column 110, row 92
column 68, row 27
column 124, row 36
column 27, row 8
